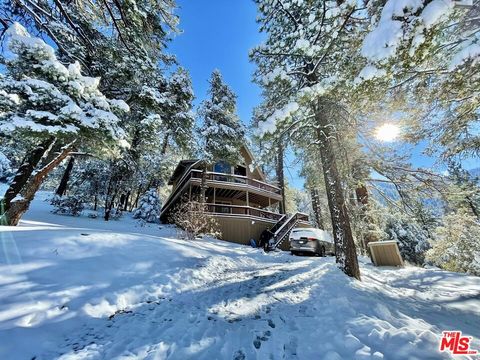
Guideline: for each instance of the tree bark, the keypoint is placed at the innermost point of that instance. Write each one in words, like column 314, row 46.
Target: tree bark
column 279, row 169
column 361, row 193
column 24, row 172
column 165, row 144
column 20, row 206
column 345, row 252
column 317, row 210
column 127, row 199
column 62, row 187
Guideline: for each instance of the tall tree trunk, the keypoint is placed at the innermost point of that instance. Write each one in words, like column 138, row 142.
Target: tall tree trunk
column 345, row 252
column 127, row 199
column 24, row 172
column 62, row 187
column 317, row 210
column 165, row 144
column 361, row 193
column 20, row 206
column 279, row 169
column 108, row 208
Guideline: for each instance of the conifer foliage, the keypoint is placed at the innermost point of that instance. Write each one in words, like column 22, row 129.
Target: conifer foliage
column 45, row 101
column 149, row 207
column 222, row 134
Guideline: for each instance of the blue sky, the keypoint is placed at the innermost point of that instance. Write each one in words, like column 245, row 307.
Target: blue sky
column 219, row 34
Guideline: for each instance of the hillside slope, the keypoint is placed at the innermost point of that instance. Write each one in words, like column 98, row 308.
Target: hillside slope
column 79, row 288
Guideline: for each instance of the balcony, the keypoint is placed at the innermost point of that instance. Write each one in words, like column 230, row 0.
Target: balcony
column 258, row 190
column 236, row 210
column 213, row 177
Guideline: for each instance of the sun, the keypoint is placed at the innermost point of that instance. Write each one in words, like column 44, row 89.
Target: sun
column 387, row 132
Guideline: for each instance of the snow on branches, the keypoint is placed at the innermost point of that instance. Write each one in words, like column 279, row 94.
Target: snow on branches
column 149, row 208
column 40, row 95
column 406, row 25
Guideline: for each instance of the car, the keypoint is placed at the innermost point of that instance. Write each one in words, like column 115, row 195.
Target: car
column 311, row 240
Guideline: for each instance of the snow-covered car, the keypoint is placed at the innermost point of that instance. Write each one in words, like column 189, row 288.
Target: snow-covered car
column 311, row 240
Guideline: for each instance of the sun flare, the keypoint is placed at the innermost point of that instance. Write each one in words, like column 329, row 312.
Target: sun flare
column 387, row 132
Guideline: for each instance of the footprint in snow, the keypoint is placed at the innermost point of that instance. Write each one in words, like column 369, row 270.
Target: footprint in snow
column 291, row 348
column 264, row 337
column 239, row 355
column 271, row 323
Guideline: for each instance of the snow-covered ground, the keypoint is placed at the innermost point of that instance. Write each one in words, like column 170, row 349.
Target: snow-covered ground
column 79, row 288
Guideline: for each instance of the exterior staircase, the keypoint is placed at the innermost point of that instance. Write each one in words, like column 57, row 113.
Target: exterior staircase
column 281, row 230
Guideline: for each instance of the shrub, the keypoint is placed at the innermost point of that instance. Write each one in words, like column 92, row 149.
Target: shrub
column 149, row 209
column 457, row 244
column 193, row 218
column 68, row 205
column 413, row 241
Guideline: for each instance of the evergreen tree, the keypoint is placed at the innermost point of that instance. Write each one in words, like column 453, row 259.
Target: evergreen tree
column 429, row 51
column 149, row 208
column 456, row 246
column 413, row 241
column 43, row 100
column 221, row 133
column 306, row 60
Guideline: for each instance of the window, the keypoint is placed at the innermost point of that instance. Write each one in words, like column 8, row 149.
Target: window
column 222, row 167
column 242, row 171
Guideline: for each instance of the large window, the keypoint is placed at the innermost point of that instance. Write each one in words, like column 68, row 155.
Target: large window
column 222, row 167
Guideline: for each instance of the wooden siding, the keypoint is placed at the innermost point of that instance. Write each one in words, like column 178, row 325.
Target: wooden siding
column 240, row 230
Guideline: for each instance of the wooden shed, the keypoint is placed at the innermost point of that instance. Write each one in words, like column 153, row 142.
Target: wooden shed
column 385, row 253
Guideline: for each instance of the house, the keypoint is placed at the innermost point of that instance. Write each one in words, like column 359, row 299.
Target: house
column 239, row 197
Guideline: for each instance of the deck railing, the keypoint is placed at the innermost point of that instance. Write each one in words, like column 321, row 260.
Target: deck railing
column 221, row 209
column 239, row 179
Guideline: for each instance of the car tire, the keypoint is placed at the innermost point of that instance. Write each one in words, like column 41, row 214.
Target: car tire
column 320, row 252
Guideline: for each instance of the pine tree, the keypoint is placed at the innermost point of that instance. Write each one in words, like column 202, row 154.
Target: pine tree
column 413, row 241
column 221, row 132
column 306, row 61
column 149, row 208
column 428, row 50
column 44, row 100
